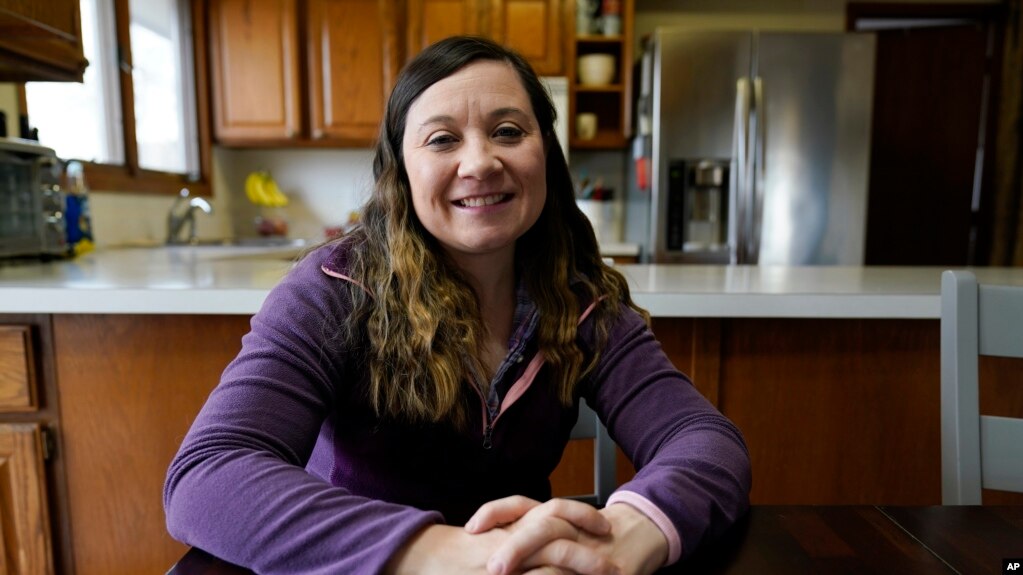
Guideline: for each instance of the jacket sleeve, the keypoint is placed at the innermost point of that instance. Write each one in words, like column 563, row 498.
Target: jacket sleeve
column 238, row 487
column 693, row 469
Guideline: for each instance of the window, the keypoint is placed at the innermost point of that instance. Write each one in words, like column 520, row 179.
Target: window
column 134, row 118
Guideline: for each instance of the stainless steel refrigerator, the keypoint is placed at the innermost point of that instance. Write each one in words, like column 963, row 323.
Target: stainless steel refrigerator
column 755, row 147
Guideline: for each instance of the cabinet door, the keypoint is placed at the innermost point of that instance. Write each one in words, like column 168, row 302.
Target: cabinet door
column 353, row 61
column 41, row 41
column 433, row 20
column 17, row 369
column 533, row 28
column 254, row 64
column 23, row 510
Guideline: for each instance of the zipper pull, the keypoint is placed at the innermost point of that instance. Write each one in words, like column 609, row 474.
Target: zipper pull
column 488, row 434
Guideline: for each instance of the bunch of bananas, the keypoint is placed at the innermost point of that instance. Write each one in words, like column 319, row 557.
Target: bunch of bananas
column 262, row 190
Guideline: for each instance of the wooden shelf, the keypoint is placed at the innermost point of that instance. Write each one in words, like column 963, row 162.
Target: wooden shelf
column 599, row 39
column 606, row 88
column 612, row 103
column 602, row 141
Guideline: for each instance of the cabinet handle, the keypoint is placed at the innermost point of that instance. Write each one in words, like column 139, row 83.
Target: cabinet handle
column 49, row 442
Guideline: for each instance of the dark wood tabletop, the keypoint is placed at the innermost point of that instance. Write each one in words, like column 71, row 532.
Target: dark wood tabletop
column 825, row 539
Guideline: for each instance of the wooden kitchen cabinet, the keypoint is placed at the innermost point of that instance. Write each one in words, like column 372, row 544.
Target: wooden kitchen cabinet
column 431, row 20
column 254, row 63
column 41, row 41
column 534, row 28
column 26, row 521
column 285, row 72
column 33, row 502
column 17, row 369
column 353, row 63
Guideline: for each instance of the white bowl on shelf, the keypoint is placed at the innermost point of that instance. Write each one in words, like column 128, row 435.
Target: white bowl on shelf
column 596, row 69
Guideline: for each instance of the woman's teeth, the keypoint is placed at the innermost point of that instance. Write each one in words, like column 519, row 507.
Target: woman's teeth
column 482, row 201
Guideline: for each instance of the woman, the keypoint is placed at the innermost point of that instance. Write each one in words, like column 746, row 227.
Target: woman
column 406, row 391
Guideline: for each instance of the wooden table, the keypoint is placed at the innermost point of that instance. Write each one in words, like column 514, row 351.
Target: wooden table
column 825, row 539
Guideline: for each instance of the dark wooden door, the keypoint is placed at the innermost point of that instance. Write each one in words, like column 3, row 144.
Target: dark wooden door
column 929, row 91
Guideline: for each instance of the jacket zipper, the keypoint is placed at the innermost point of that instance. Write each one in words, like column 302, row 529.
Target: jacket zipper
column 488, row 424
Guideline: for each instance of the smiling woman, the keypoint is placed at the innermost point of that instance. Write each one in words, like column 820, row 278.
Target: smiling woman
column 134, row 117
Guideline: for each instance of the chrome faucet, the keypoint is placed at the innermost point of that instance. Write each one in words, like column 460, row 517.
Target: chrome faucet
column 183, row 212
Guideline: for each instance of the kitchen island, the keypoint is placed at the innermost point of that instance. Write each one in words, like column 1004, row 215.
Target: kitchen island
column 832, row 374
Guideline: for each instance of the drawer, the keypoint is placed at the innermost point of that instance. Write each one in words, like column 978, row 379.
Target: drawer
column 17, row 369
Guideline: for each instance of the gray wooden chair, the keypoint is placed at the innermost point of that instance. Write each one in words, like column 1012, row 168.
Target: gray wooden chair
column 977, row 450
column 604, row 476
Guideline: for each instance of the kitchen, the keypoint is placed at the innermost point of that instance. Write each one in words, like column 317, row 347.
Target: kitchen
column 325, row 184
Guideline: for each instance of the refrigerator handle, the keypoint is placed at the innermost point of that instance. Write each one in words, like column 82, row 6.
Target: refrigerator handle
column 757, row 184
column 740, row 175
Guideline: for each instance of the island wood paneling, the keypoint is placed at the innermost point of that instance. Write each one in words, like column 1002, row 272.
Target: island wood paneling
column 834, row 412
column 130, row 387
column 838, row 411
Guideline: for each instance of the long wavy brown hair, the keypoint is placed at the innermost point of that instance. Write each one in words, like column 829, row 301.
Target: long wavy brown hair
column 418, row 316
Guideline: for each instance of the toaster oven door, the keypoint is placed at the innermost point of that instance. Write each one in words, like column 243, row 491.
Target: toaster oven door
column 31, row 206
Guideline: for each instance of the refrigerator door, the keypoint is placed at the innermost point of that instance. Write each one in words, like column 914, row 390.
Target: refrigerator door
column 693, row 111
column 812, row 151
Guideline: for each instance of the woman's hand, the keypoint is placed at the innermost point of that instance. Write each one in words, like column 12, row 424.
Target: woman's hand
column 546, row 536
column 626, row 541
column 510, row 535
column 635, row 543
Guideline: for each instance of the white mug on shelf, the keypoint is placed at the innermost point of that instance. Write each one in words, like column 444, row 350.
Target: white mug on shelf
column 611, row 24
column 586, row 125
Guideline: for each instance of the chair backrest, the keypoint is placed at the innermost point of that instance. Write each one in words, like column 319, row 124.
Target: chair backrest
column 977, row 450
column 604, row 477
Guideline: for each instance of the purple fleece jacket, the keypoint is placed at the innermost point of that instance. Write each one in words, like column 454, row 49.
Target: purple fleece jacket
column 287, row 470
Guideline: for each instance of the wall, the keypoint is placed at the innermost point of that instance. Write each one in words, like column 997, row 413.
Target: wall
column 323, row 185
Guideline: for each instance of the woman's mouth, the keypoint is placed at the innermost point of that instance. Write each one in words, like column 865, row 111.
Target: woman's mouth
column 481, row 201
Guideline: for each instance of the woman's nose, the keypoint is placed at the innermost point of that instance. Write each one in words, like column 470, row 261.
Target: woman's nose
column 478, row 160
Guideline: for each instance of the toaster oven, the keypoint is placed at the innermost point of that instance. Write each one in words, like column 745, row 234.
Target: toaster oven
column 31, row 200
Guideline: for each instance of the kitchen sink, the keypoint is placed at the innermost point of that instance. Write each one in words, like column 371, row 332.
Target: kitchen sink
column 214, row 249
column 268, row 242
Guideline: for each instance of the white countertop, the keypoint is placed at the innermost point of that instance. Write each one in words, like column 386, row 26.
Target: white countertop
column 235, row 280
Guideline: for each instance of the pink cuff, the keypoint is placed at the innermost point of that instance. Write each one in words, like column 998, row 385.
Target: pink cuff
column 654, row 513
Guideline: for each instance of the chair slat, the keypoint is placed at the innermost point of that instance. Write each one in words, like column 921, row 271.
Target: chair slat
column 1001, row 439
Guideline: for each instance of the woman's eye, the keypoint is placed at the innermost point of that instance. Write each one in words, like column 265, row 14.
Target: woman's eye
column 441, row 140
column 508, row 132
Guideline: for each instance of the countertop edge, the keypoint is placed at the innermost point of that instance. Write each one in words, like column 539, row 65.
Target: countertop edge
column 236, row 301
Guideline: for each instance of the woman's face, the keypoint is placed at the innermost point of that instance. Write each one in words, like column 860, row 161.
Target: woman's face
column 475, row 160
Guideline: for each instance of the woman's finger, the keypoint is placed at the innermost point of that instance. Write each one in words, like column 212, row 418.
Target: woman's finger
column 499, row 512
column 528, row 536
column 579, row 514
column 547, row 570
column 562, row 556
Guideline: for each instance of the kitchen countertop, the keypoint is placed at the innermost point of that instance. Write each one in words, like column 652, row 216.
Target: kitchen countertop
column 235, row 280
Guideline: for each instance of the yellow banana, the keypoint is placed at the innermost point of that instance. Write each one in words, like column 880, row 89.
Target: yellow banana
column 273, row 192
column 254, row 189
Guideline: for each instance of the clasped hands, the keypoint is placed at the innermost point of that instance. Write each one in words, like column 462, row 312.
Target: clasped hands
column 517, row 535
